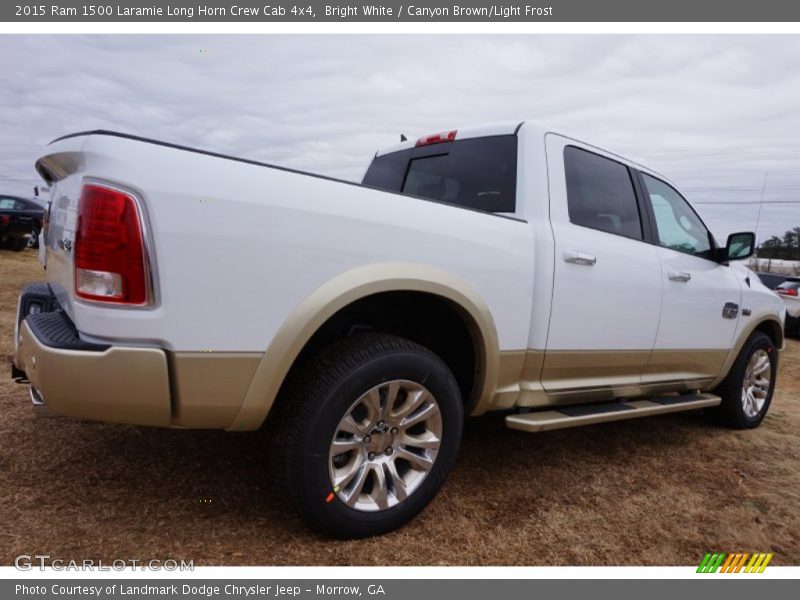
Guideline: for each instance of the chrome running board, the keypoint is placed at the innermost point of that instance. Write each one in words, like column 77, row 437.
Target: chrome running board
column 589, row 414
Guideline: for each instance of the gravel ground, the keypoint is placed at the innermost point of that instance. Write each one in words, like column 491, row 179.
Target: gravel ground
column 658, row 491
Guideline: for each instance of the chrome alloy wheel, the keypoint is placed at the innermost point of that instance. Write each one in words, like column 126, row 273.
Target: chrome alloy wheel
column 385, row 445
column 755, row 388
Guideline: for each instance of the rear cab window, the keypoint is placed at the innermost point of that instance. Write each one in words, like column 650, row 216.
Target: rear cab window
column 475, row 173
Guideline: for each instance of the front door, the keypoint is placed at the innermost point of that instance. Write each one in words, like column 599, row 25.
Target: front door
column 701, row 298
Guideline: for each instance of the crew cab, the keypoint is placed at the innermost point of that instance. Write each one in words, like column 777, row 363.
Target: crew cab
column 497, row 268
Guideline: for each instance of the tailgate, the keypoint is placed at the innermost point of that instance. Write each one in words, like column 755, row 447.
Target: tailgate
column 62, row 168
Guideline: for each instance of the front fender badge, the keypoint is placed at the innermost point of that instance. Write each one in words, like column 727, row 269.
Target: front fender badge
column 730, row 310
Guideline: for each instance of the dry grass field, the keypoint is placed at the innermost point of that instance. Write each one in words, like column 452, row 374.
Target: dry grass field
column 659, row 491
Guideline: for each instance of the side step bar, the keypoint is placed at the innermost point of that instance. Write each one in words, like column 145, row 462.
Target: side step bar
column 589, row 414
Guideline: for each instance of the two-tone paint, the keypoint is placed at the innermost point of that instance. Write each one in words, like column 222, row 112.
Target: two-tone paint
column 249, row 260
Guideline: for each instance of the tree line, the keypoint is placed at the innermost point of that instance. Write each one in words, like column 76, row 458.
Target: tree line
column 786, row 247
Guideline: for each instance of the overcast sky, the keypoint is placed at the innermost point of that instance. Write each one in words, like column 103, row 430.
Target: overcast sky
column 713, row 113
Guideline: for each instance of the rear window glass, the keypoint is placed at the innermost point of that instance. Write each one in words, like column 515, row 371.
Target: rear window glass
column 388, row 171
column 789, row 285
column 600, row 194
column 479, row 173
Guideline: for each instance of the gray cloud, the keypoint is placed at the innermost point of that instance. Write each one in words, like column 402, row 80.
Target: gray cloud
column 714, row 113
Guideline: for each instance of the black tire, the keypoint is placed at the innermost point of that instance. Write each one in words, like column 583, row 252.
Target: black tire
column 792, row 326
column 731, row 412
column 18, row 244
column 315, row 399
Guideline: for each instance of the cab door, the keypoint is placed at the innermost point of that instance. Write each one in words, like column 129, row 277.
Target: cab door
column 607, row 280
column 701, row 297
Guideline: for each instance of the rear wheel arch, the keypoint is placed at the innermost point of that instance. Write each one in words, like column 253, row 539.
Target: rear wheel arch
column 373, row 282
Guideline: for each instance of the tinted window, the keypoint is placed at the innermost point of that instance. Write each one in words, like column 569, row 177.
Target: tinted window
column 789, row 285
column 429, row 177
column 8, row 204
column 387, row 172
column 478, row 173
column 600, row 194
column 677, row 225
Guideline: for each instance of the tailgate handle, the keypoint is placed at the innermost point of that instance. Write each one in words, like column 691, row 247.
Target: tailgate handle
column 579, row 258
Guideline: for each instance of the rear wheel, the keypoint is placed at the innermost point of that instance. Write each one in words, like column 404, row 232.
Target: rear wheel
column 747, row 390
column 366, row 434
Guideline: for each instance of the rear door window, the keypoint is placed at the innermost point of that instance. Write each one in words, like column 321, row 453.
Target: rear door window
column 478, row 173
column 600, row 194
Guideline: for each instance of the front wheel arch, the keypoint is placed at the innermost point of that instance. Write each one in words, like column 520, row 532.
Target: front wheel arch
column 738, row 409
column 769, row 326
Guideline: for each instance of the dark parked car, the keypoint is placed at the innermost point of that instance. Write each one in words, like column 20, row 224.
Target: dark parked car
column 789, row 290
column 20, row 222
column 772, row 280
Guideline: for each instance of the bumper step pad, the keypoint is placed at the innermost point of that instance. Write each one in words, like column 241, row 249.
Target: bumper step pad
column 54, row 329
column 589, row 414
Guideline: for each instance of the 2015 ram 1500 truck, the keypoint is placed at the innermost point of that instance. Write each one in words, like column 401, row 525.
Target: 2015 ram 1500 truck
column 505, row 267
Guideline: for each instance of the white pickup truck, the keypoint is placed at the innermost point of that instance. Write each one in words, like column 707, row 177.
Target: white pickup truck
column 499, row 268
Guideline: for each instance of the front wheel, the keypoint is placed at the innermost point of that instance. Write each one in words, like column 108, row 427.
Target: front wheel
column 747, row 390
column 367, row 433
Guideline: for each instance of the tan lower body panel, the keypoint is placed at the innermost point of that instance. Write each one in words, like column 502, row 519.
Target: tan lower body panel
column 534, row 378
column 208, row 388
column 552, row 419
column 566, row 370
column 684, row 364
column 119, row 385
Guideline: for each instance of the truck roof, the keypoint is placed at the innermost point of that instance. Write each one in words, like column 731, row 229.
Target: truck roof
column 499, row 128
column 512, row 127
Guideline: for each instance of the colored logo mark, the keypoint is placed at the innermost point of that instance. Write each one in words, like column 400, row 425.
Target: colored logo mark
column 738, row 562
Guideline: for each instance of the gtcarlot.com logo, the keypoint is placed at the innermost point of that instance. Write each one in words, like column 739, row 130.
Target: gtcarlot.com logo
column 737, row 562
column 27, row 562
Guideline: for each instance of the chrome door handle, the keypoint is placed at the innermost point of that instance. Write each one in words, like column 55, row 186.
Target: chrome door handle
column 679, row 276
column 579, row 258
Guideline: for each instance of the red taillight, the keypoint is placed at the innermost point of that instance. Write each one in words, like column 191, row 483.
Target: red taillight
column 110, row 263
column 788, row 292
column 5, row 219
column 437, row 138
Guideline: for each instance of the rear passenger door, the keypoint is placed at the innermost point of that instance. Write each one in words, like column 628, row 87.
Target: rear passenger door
column 607, row 280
